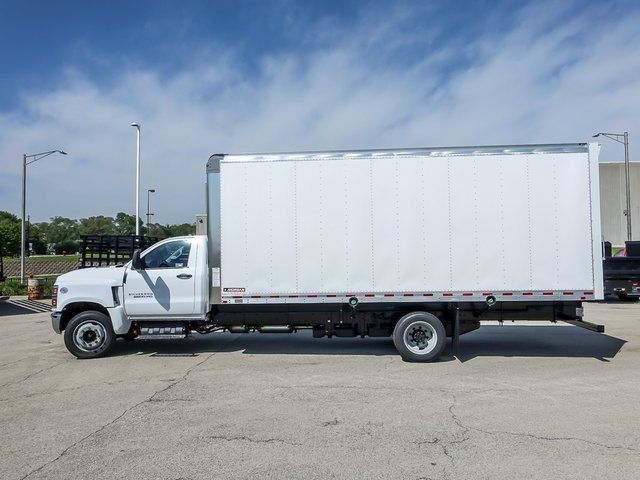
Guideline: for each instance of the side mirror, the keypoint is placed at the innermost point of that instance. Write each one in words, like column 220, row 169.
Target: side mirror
column 137, row 263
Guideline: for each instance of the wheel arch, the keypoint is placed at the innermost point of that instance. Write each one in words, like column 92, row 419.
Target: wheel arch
column 72, row 309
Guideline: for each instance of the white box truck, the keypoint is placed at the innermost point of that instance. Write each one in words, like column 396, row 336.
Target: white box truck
column 417, row 244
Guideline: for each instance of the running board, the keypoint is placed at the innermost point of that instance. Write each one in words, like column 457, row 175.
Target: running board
column 164, row 333
column 594, row 327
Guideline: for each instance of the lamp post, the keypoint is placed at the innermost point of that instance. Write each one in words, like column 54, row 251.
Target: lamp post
column 137, row 127
column 625, row 141
column 28, row 235
column 32, row 159
column 149, row 192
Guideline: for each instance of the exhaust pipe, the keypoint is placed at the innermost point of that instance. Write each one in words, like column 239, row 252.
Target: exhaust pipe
column 261, row 328
column 276, row 329
column 238, row 329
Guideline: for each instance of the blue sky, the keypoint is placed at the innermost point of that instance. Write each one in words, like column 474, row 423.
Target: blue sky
column 203, row 77
column 101, row 37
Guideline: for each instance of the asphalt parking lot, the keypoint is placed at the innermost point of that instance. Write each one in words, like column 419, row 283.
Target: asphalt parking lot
column 525, row 401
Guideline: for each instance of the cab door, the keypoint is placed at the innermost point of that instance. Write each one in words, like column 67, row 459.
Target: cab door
column 165, row 286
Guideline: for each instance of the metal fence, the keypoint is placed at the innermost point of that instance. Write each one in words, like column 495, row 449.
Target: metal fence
column 105, row 250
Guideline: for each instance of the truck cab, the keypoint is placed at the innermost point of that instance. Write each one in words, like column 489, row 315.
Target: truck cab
column 166, row 282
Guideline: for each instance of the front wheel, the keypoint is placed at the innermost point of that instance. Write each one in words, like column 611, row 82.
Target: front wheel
column 89, row 335
column 419, row 337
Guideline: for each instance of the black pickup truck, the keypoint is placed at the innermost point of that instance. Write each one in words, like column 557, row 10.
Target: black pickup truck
column 622, row 271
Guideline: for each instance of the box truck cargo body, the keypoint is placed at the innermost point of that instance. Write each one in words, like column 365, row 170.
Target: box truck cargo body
column 436, row 224
column 417, row 244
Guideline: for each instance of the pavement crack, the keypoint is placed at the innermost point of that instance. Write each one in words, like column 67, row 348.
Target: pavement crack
column 241, row 438
column 27, row 377
column 169, row 400
column 151, row 398
column 331, row 423
column 434, row 441
column 348, row 387
column 468, row 428
column 13, row 362
column 455, row 418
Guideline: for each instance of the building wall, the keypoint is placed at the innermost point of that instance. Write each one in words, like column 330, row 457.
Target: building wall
column 613, row 202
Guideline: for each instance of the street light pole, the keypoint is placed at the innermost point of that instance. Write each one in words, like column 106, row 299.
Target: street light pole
column 28, row 236
column 625, row 141
column 628, row 182
column 149, row 192
column 34, row 158
column 137, row 127
column 24, row 209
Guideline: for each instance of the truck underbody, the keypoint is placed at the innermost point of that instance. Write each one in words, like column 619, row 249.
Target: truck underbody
column 378, row 320
column 372, row 320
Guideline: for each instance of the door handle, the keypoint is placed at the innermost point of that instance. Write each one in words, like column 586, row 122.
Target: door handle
column 184, row 276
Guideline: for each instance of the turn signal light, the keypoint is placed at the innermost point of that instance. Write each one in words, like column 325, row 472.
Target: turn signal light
column 54, row 296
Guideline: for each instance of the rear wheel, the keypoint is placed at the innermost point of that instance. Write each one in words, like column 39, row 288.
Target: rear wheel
column 419, row 337
column 89, row 335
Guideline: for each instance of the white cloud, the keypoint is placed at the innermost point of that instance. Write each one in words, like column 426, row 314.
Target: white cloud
column 540, row 79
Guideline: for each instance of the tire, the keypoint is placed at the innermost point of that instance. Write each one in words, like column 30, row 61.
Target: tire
column 623, row 297
column 89, row 335
column 419, row 337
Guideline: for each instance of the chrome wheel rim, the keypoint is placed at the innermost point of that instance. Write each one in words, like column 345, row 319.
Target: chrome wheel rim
column 89, row 336
column 420, row 337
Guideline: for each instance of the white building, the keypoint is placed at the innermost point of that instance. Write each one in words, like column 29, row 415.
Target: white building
column 613, row 201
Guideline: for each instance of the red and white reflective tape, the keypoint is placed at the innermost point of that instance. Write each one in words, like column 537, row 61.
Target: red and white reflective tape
column 410, row 296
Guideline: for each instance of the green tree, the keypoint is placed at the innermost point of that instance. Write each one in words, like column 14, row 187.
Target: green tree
column 99, row 225
column 38, row 237
column 10, row 233
column 62, row 229
column 177, row 230
column 125, row 224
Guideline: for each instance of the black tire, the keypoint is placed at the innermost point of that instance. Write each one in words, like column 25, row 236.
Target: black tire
column 419, row 337
column 89, row 335
column 623, row 297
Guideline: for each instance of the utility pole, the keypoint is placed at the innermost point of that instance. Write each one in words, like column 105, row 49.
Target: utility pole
column 24, row 209
column 137, row 127
column 23, row 239
column 627, row 176
column 28, row 235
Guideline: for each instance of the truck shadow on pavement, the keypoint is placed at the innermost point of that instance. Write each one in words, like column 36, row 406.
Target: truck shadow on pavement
column 538, row 341
column 22, row 307
column 488, row 341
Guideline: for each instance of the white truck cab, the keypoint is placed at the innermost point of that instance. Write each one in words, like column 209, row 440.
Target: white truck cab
column 168, row 281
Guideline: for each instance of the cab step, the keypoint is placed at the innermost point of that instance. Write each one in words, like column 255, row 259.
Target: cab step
column 164, row 332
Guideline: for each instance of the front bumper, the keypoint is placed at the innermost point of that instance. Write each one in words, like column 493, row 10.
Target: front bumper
column 56, row 317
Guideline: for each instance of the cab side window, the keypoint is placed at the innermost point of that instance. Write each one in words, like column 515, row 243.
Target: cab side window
column 169, row 255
